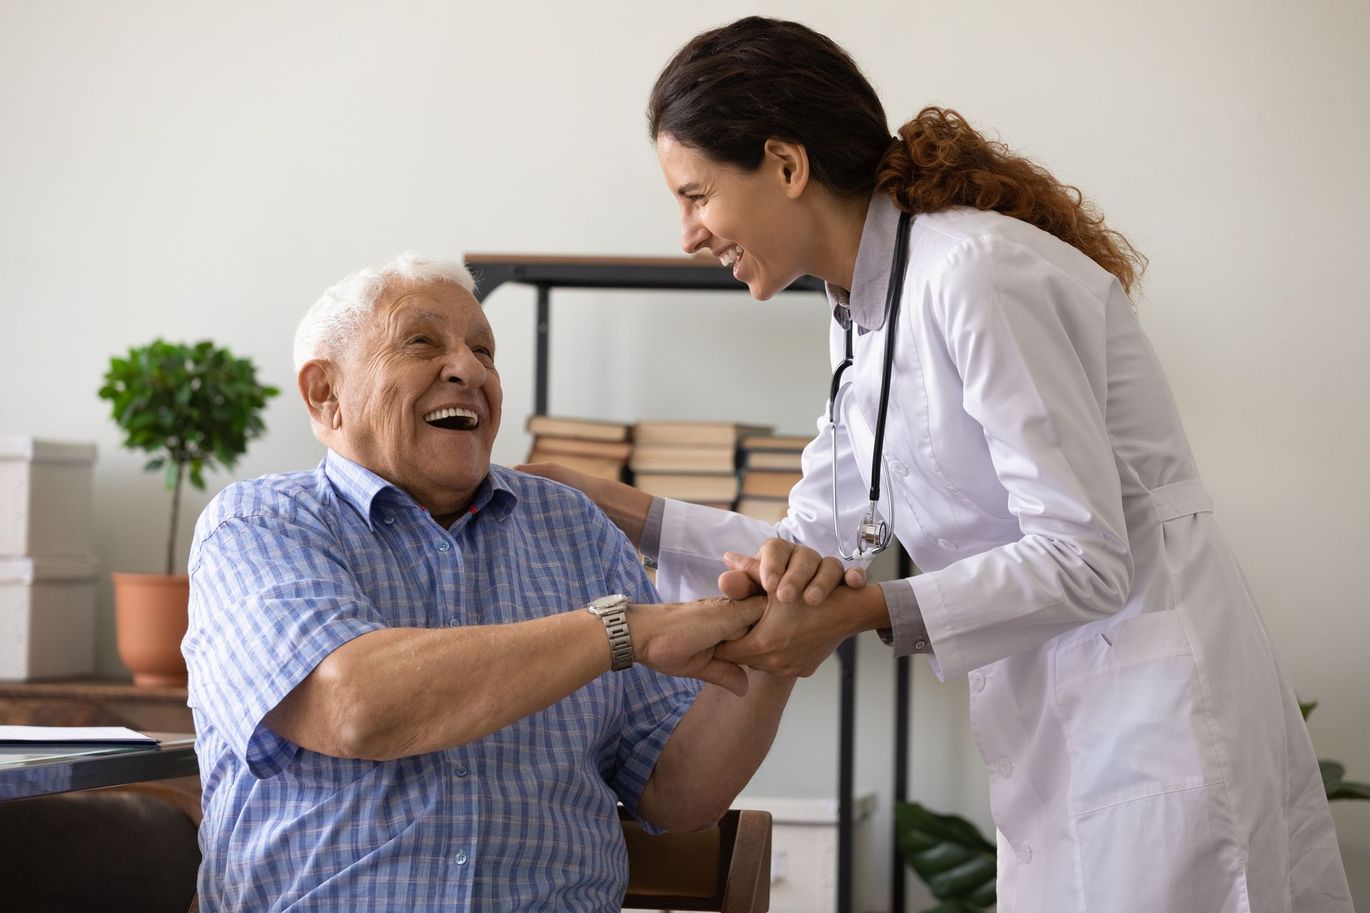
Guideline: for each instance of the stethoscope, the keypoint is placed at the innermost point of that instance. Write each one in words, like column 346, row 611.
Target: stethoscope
column 874, row 534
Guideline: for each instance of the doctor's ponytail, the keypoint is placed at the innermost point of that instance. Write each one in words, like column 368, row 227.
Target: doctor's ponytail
column 730, row 89
column 938, row 161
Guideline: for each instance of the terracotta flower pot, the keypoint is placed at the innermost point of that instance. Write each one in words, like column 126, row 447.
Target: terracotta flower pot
column 150, row 621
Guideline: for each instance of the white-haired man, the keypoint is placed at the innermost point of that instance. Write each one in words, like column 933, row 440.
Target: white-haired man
column 400, row 700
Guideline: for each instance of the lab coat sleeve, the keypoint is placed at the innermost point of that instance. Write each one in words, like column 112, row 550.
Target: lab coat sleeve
column 1028, row 343
column 694, row 538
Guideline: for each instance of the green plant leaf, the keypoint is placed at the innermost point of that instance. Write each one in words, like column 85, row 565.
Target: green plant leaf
column 1307, row 708
column 1336, row 785
column 949, row 854
column 193, row 407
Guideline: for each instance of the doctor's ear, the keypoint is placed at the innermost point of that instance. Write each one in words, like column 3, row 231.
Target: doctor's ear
column 320, row 392
column 790, row 163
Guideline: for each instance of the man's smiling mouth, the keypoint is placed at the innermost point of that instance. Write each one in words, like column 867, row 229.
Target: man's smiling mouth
column 453, row 419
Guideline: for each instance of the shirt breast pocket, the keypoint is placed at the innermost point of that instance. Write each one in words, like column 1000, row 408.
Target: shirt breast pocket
column 1134, row 714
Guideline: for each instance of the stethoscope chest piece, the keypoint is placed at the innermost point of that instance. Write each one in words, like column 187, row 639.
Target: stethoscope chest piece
column 873, row 534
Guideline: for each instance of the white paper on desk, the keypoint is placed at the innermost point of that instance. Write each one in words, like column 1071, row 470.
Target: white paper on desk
column 108, row 735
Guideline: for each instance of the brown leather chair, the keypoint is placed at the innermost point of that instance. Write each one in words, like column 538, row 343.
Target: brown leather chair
column 126, row 848
column 726, row 868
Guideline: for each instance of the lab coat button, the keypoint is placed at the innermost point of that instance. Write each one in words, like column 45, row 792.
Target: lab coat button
column 1024, row 854
column 977, row 682
column 899, row 468
column 946, row 544
column 1005, row 767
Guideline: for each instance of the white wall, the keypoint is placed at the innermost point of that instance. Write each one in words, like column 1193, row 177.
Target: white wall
column 198, row 170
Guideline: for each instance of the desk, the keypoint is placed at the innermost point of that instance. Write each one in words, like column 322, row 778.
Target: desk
column 28, row 770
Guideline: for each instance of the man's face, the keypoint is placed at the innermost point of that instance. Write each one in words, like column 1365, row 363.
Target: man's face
column 419, row 397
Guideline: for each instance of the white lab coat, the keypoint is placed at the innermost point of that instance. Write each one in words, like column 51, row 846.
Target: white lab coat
column 1145, row 752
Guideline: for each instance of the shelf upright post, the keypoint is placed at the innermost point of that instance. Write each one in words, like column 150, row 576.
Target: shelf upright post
column 543, row 334
column 846, row 655
column 902, row 725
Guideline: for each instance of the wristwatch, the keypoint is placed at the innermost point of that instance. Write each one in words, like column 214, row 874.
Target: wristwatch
column 613, row 611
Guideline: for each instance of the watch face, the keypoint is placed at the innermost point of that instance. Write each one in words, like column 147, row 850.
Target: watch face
column 610, row 602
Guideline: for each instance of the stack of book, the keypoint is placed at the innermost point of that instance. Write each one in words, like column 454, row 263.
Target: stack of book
column 596, row 448
column 690, row 461
column 770, row 468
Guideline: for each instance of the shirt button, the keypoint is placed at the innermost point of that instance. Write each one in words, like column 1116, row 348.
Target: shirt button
column 459, row 859
column 1024, row 854
column 444, row 546
column 1005, row 767
column 977, row 682
column 453, row 622
column 389, row 521
column 947, row 544
column 461, row 770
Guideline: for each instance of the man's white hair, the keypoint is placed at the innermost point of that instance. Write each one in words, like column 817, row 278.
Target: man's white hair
column 338, row 317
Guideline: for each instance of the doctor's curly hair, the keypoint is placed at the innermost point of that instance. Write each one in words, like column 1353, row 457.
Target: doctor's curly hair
column 730, row 89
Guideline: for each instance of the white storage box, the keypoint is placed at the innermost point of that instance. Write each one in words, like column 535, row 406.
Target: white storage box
column 804, row 851
column 45, row 497
column 47, row 617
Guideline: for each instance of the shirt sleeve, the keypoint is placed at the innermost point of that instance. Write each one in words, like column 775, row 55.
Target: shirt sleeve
column 1027, row 342
column 653, row 704
column 270, row 598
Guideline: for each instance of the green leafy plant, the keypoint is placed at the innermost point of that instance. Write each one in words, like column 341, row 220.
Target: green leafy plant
column 950, row 854
column 1334, row 781
column 194, row 407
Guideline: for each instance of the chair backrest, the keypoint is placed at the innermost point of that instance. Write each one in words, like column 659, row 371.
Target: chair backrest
column 726, row 868
column 125, row 848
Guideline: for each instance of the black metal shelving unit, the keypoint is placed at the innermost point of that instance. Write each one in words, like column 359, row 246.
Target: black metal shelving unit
column 545, row 273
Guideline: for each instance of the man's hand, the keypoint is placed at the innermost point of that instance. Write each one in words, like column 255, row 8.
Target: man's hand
column 682, row 638
column 795, row 634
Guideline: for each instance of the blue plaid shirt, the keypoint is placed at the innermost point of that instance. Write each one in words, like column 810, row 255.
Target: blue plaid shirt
column 287, row 568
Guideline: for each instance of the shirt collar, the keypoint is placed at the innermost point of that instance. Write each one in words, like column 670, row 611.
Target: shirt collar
column 360, row 487
column 864, row 305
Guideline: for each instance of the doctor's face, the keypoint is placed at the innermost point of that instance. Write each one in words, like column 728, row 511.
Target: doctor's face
column 748, row 220
column 418, row 396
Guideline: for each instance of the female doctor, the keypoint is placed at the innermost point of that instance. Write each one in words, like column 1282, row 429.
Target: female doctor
column 1004, row 417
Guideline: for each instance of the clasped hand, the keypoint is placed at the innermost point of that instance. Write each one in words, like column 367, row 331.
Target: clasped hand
column 806, row 615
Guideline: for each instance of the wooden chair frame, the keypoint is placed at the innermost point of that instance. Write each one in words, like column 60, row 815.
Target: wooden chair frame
column 726, row 868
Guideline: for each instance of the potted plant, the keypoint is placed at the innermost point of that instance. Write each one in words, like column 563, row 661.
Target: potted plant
column 194, row 408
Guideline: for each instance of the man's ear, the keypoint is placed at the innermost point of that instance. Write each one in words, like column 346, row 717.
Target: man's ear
column 789, row 162
column 318, row 386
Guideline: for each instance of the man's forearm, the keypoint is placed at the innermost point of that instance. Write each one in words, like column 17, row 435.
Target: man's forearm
column 713, row 753
column 405, row 691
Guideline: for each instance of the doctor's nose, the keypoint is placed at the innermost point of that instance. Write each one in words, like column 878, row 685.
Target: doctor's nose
column 693, row 235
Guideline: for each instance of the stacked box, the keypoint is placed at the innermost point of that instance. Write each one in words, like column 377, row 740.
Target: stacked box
column 47, row 565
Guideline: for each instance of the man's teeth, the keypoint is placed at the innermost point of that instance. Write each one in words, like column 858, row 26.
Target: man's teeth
column 730, row 256
column 467, row 417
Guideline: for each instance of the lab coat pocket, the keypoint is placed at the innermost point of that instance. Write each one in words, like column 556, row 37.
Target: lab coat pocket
column 1133, row 711
column 1166, row 852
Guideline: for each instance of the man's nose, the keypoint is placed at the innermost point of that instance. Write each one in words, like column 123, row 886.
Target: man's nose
column 463, row 367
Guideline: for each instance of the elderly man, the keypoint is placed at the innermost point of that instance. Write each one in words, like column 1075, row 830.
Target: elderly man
column 401, row 701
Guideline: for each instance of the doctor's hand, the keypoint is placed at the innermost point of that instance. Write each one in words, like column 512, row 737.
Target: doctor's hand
column 793, row 638
column 682, row 639
column 786, row 570
column 625, row 505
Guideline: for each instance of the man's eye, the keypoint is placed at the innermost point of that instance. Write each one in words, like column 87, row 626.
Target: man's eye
column 420, row 341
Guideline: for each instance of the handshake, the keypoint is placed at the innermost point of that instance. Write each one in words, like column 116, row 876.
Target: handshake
column 783, row 611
